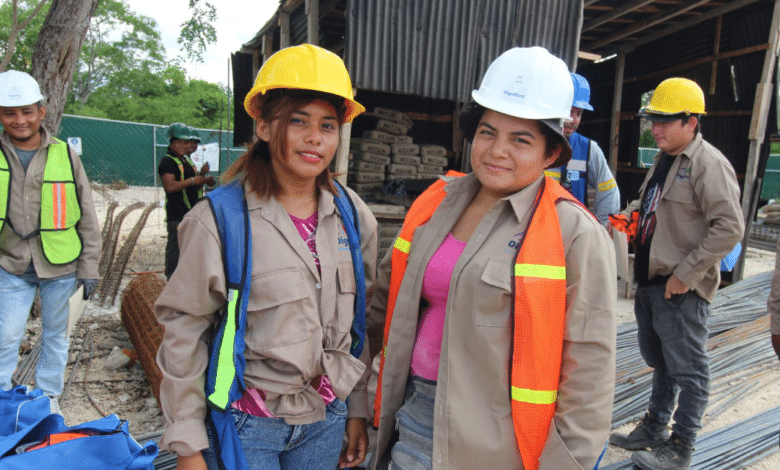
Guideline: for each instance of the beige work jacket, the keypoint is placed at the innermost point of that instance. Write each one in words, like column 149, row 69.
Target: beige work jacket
column 473, row 425
column 698, row 219
column 298, row 324
column 24, row 212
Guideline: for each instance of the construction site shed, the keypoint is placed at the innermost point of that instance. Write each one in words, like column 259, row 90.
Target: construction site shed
column 728, row 48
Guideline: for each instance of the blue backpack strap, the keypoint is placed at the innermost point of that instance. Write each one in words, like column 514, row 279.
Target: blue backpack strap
column 225, row 373
column 352, row 226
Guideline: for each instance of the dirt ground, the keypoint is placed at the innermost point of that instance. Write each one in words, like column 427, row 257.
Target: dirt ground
column 95, row 390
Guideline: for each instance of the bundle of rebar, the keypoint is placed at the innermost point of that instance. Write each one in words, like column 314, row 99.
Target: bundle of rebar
column 735, row 446
column 739, row 342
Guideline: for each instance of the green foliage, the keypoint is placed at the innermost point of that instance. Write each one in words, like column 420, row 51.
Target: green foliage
column 647, row 140
column 137, row 47
column 198, row 32
column 25, row 42
column 123, row 73
column 156, row 98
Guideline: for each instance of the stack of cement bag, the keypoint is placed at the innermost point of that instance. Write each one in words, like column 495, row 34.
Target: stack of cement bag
column 387, row 153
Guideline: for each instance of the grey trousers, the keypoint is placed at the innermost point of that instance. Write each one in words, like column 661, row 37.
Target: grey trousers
column 672, row 339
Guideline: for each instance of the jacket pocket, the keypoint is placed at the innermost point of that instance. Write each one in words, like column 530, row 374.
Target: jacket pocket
column 494, row 295
column 346, row 296
column 278, row 306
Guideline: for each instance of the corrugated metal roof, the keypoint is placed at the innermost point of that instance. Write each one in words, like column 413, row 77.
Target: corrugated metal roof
column 441, row 48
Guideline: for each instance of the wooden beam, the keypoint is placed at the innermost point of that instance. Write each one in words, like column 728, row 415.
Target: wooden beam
column 268, row 45
column 291, row 5
column 617, row 102
column 700, row 61
column 706, row 16
column 644, row 24
column 313, row 22
column 615, row 13
column 764, row 91
column 715, row 52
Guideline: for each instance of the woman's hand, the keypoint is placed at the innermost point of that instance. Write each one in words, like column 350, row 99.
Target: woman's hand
column 357, row 443
column 191, row 462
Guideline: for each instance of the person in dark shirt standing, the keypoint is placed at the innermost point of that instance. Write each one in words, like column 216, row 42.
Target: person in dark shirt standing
column 689, row 218
column 183, row 187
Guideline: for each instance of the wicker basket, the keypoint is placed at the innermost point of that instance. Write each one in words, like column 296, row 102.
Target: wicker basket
column 141, row 325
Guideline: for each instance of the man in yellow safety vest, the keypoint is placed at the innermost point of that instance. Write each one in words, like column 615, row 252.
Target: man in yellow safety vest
column 49, row 232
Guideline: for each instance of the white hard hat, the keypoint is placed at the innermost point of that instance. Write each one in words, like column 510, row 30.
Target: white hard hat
column 529, row 83
column 18, row 89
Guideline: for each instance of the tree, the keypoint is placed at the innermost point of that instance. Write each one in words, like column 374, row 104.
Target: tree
column 198, row 32
column 139, row 47
column 57, row 52
column 21, row 16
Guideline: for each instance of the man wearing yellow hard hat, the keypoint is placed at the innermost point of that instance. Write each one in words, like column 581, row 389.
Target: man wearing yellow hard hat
column 689, row 218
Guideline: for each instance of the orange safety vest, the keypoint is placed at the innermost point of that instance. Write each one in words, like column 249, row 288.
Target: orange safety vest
column 538, row 316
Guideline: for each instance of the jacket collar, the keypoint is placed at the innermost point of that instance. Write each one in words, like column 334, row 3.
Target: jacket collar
column 326, row 205
column 520, row 202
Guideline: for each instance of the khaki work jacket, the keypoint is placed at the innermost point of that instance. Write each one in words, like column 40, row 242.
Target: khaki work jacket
column 298, row 321
column 698, row 219
column 24, row 212
column 473, row 425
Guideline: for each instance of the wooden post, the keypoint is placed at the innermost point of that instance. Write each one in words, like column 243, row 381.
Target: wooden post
column 617, row 101
column 342, row 154
column 715, row 52
column 284, row 29
column 756, row 135
column 313, row 21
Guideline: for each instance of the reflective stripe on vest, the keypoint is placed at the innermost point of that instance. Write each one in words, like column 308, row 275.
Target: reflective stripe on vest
column 180, row 164
column 5, row 188
column 539, row 311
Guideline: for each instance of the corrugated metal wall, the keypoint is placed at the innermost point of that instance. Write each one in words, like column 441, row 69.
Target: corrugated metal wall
column 441, row 48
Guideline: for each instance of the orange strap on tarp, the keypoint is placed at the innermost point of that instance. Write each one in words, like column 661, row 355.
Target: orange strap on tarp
column 59, row 437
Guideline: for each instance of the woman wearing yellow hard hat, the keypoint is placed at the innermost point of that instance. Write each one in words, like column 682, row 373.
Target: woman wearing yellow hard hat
column 267, row 306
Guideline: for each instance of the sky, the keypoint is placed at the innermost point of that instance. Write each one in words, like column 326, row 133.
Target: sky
column 237, row 23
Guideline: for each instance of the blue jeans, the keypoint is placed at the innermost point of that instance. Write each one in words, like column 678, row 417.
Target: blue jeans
column 414, row 420
column 673, row 340
column 272, row 444
column 17, row 294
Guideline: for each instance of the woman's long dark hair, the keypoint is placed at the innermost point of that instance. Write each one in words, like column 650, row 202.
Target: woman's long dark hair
column 254, row 166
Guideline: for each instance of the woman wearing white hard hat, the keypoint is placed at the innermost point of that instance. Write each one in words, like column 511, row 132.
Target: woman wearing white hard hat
column 267, row 305
column 498, row 299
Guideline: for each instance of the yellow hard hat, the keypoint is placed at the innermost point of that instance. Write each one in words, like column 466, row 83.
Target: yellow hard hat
column 675, row 96
column 304, row 67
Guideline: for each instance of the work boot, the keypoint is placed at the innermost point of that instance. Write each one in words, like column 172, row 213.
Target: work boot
column 647, row 433
column 675, row 454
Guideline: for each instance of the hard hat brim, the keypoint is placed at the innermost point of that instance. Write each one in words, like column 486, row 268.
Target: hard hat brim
column 582, row 105
column 656, row 117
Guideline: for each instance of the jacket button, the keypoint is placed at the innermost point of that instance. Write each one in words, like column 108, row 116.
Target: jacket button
column 318, row 286
column 438, row 457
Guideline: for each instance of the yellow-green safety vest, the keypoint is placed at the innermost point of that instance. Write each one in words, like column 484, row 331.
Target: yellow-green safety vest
column 60, row 206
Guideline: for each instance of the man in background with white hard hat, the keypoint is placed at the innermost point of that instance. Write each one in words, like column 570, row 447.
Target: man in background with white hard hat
column 49, row 233
column 689, row 218
column 588, row 167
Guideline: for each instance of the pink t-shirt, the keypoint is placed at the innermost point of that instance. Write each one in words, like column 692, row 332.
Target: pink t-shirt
column 253, row 401
column 435, row 289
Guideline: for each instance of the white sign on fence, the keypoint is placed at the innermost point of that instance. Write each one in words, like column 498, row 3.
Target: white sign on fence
column 207, row 153
column 75, row 144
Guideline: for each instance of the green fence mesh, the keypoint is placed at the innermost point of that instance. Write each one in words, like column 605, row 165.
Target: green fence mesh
column 127, row 152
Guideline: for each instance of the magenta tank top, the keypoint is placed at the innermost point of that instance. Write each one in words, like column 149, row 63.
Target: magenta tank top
column 435, row 288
